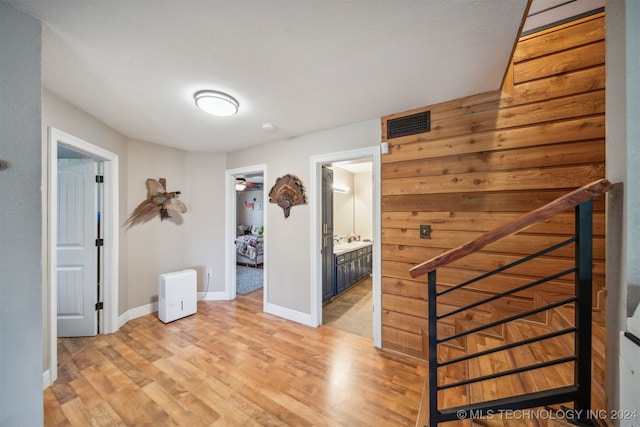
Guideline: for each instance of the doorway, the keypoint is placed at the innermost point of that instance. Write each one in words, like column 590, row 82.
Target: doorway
column 317, row 266
column 347, row 260
column 79, row 255
column 108, row 322
column 246, row 232
column 249, row 238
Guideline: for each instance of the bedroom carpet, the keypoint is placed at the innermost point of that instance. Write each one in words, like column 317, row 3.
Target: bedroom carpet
column 248, row 279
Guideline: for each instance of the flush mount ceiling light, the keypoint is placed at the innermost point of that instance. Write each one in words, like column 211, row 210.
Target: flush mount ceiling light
column 216, row 103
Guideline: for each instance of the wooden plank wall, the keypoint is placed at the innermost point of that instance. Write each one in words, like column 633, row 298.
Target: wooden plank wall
column 487, row 159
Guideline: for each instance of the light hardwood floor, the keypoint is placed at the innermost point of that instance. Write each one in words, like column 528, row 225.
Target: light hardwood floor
column 352, row 311
column 231, row 365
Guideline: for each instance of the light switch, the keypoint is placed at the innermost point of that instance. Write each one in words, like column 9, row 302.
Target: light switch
column 425, row 231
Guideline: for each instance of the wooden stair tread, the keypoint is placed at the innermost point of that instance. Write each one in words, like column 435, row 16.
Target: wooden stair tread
column 539, row 380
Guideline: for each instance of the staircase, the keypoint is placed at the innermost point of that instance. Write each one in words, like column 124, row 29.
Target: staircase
column 526, row 382
column 506, row 359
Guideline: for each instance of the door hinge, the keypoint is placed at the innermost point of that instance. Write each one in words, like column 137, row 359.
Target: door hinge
column 99, row 179
column 99, row 242
column 99, row 305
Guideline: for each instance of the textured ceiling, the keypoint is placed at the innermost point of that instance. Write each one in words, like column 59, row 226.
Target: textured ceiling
column 303, row 65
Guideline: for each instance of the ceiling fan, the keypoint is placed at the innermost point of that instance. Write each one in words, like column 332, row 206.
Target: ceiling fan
column 242, row 184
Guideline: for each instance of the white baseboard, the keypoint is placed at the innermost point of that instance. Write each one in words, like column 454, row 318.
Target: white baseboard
column 46, row 379
column 134, row 313
column 287, row 313
column 212, row 296
column 143, row 310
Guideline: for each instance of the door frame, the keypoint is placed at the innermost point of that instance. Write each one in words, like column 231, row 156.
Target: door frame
column 231, row 226
column 315, row 195
column 111, row 233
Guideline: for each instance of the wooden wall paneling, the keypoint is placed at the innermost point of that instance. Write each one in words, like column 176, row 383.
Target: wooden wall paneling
column 555, row 86
column 561, row 62
column 408, row 288
column 588, row 103
column 395, row 272
column 405, row 322
column 565, row 37
column 410, row 306
column 474, row 202
column 499, row 282
column 576, row 129
column 402, row 342
column 552, row 110
column 485, row 221
column 522, row 244
column 454, row 107
column 488, row 159
column 569, row 177
column 503, row 160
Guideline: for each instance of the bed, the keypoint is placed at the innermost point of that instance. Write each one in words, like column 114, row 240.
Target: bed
column 249, row 245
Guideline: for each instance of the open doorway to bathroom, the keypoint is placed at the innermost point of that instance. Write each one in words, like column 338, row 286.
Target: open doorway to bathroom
column 347, row 217
column 317, row 240
column 249, row 232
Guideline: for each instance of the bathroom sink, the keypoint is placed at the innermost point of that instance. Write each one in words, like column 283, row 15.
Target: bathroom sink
column 344, row 247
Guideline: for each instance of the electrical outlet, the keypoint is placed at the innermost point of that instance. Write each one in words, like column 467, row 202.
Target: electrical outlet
column 425, row 231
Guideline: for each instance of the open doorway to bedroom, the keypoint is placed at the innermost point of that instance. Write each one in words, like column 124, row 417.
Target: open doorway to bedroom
column 249, row 235
column 246, row 219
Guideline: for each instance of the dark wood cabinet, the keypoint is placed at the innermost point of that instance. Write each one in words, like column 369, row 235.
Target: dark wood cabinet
column 342, row 272
column 366, row 263
column 351, row 267
column 328, row 266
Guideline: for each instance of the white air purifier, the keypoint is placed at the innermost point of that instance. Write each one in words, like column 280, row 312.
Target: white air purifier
column 177, row 295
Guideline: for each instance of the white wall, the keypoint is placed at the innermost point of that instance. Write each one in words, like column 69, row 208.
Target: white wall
column 623, row 157
column 288, row 258
column 58, row 113
column 20, row 221
column 206, row 231
column 353, row 211
column 363, row 204
column 249, row 216
column 155, row 247
column 343, row 212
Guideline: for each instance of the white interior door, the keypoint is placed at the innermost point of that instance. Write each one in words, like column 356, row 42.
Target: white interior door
column 77, row 268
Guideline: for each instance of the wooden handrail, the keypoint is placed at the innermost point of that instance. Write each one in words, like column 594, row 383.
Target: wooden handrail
column 559, row 205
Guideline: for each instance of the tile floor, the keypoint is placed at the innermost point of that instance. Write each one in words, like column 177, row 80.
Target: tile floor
column 351, row 311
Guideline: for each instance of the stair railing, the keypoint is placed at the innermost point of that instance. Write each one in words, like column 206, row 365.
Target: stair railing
column 580, row 392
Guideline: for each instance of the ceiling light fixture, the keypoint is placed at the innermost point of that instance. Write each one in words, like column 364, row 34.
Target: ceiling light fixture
column 216, row 103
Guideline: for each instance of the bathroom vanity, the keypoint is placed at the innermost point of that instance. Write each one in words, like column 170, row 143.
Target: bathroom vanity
column 352, row 263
